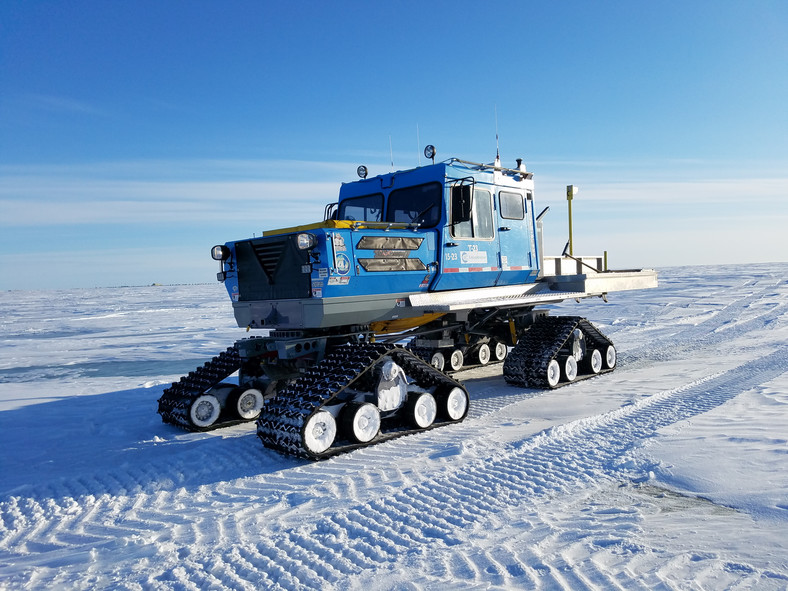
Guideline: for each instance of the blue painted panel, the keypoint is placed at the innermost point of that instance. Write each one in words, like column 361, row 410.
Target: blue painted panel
column 342, row 271
column 231, row 276
column 466, row 264
column 517, row 241
column 470, row 255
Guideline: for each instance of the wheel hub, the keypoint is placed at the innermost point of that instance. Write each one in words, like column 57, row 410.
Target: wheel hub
column 204, row 410
column 247, row 402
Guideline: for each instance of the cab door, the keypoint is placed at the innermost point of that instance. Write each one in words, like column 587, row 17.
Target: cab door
column 469, row 257
column 515, row 220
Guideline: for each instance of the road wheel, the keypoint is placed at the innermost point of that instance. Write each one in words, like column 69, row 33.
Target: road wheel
column 500, row 351
column 456, row 359
column 570, row 369
column 438, row 361
column 455, row 406
column 320, row 432
column 553, row 373
column 422, row 410
column 483, row 354
column 610, row 357
column 204, row 411
column 593, row 362
column 247, row 404
column 360, row 422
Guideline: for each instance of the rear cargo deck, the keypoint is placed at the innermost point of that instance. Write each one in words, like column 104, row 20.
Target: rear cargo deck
column 550, row 289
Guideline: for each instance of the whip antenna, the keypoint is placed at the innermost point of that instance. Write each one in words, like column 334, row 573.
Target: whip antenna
column 497, row 151
column 418, row 144
column 391, row 152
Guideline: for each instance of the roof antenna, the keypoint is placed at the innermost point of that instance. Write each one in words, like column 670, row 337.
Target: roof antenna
column 497, row 152
column 391, row 151
column 418, row 144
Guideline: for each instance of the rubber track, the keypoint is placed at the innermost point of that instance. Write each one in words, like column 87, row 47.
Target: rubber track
column 175, row 401
column 280, row 425
column 526, row 365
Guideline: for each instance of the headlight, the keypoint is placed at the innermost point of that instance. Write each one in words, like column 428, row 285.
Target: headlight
column 306, row 241
column 220, row 253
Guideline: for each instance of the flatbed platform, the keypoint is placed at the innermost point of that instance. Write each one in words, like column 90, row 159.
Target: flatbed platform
column 550, row 289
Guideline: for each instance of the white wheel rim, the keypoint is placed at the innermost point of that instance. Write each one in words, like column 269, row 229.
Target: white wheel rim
column 250, row 403
column 456, row 404
column 319, row 432
column 596, row 361
column 484, row 354
column 553, row 373
column 610, row 357
column 456, row 359
column 570, row 369
column 205, row 410
column 366, row 423
column 500, row 351
column 425, row 410
column 438, row 361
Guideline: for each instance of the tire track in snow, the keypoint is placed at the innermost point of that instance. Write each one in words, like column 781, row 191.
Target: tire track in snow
column 90, row 512
column 724, row 325
column 586, row 440
column 548, row 464
column 603, row 521
column 240, row 453
column 558, row 461
column 102, row 499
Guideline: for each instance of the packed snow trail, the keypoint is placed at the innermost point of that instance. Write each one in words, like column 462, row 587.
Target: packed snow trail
column 545, row 490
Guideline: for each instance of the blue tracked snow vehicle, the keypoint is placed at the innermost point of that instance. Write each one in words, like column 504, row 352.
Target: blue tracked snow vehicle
column 446, row 258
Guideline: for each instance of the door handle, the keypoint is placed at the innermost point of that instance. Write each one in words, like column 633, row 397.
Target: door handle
column 504, row 229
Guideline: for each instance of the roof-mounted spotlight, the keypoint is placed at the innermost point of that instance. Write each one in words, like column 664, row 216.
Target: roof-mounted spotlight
column 430, row 152
column 362, row 171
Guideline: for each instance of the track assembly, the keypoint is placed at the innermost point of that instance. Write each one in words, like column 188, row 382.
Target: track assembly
column 336, row 406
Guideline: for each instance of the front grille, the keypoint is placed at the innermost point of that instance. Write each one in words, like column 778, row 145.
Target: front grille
column 269, row 253
column 271, row 268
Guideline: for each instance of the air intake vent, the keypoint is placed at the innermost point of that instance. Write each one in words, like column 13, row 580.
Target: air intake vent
column 269, row 253
column 272, row 268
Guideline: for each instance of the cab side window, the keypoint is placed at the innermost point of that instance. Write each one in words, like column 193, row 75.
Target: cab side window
column 461, row 211
column 483, row 214
column 512, row 205
column 474, row 219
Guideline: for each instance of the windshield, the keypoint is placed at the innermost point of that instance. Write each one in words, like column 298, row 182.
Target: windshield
column 368, row 208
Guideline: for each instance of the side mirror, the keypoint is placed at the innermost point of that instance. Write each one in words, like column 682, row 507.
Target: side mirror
column 461, row 204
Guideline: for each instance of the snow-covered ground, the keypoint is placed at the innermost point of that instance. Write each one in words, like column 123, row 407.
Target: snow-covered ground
column 670, row 473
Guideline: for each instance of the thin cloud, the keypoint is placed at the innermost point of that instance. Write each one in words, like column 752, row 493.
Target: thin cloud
column 187, row 170
column 56, row 203
column 192, row 191
column 735, row 190
column 162, row 191
column 61, row 104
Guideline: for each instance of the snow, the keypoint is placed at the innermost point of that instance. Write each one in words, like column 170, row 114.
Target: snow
column 670, row 473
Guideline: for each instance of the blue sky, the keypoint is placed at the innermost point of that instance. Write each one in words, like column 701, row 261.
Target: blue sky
column 136, row 135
